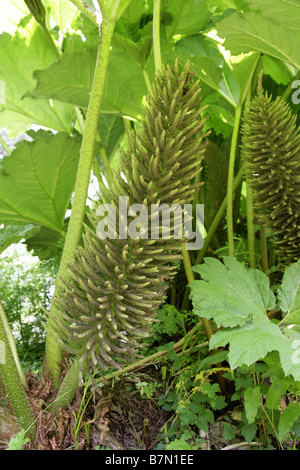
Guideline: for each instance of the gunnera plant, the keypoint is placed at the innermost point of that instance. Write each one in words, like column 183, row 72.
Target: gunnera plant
column 116, row 284
column 271, row 148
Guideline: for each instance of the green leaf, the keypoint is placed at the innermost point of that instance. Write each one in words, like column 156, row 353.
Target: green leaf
column 37, row 181
column 289, row 293
column 20, row 56
column 10, row 17
column 230, row 293
column 205, row 59
column 253, row 341
column 243, row 66
column 17, row 442
column 228, row 432
column 222, row 5
column 45, row 243
column 123, row 6
column 276, row 390
column 63, row 13
column 213, row 359
column 134, row 18
column 179, row 444
column 186, row 16
column 276, row 70
column 13, row 234
column 237, row 299
column 70, row 81
column 249, row 431
column 255, row 32
column 251, row 402
column 288, row 417
column 111, row 130
column 123, row 71
column 283, row 12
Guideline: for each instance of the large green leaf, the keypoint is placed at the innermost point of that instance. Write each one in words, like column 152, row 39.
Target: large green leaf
column 252, row 341
column 62, row 12
column 229, row 293
column 20, row 56
column 185, row 16
column 10, row 234
column 205, row 59
column 133, row 19
column 10, row 14
column 109, row 4
column 289, row 293
column 251, row 403
column 275, row 68
column 283, row 12
column 289, row 416
column 111, row 130
column 45, row 243
column 70, row 81
column 37, row 180
column 237, row 299
column 256, row 32
column 276, row 390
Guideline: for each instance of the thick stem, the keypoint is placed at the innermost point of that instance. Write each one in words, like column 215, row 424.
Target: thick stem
column 67, row 390
column 250, row 226
column 156, row 35
column 190, row 277
column 50, row 41
column 12, row 383
column 12, row 345
column 233, row 148
column 218, row 217
column 207, row 326
column 85, row 10
column 53, row 351
column 264, row 249
column 249, row 206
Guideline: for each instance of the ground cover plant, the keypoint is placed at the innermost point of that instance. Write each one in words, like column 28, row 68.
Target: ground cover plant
column 141, row 342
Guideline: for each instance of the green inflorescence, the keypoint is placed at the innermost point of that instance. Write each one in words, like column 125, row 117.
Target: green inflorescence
column 116, row 285
column 271, row 148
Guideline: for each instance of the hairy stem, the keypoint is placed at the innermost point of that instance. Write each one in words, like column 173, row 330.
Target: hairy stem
column 85, row 10
column 207, row 326
column 249, row 206
column 12, row 345
column 218, row 217
column 50, row 41
column 190, row 277
column 263, row 249
column 11, row 381
column 156, row 35
column 53, row 351
column 233, row 148
column 67, row 390
column 250, row 226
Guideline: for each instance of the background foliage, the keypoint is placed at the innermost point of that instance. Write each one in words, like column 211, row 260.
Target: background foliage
column 45, row 86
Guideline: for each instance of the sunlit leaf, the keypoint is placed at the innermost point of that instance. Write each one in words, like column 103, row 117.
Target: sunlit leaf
column 37, row 180
column 20, row 56
column 254, row 32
